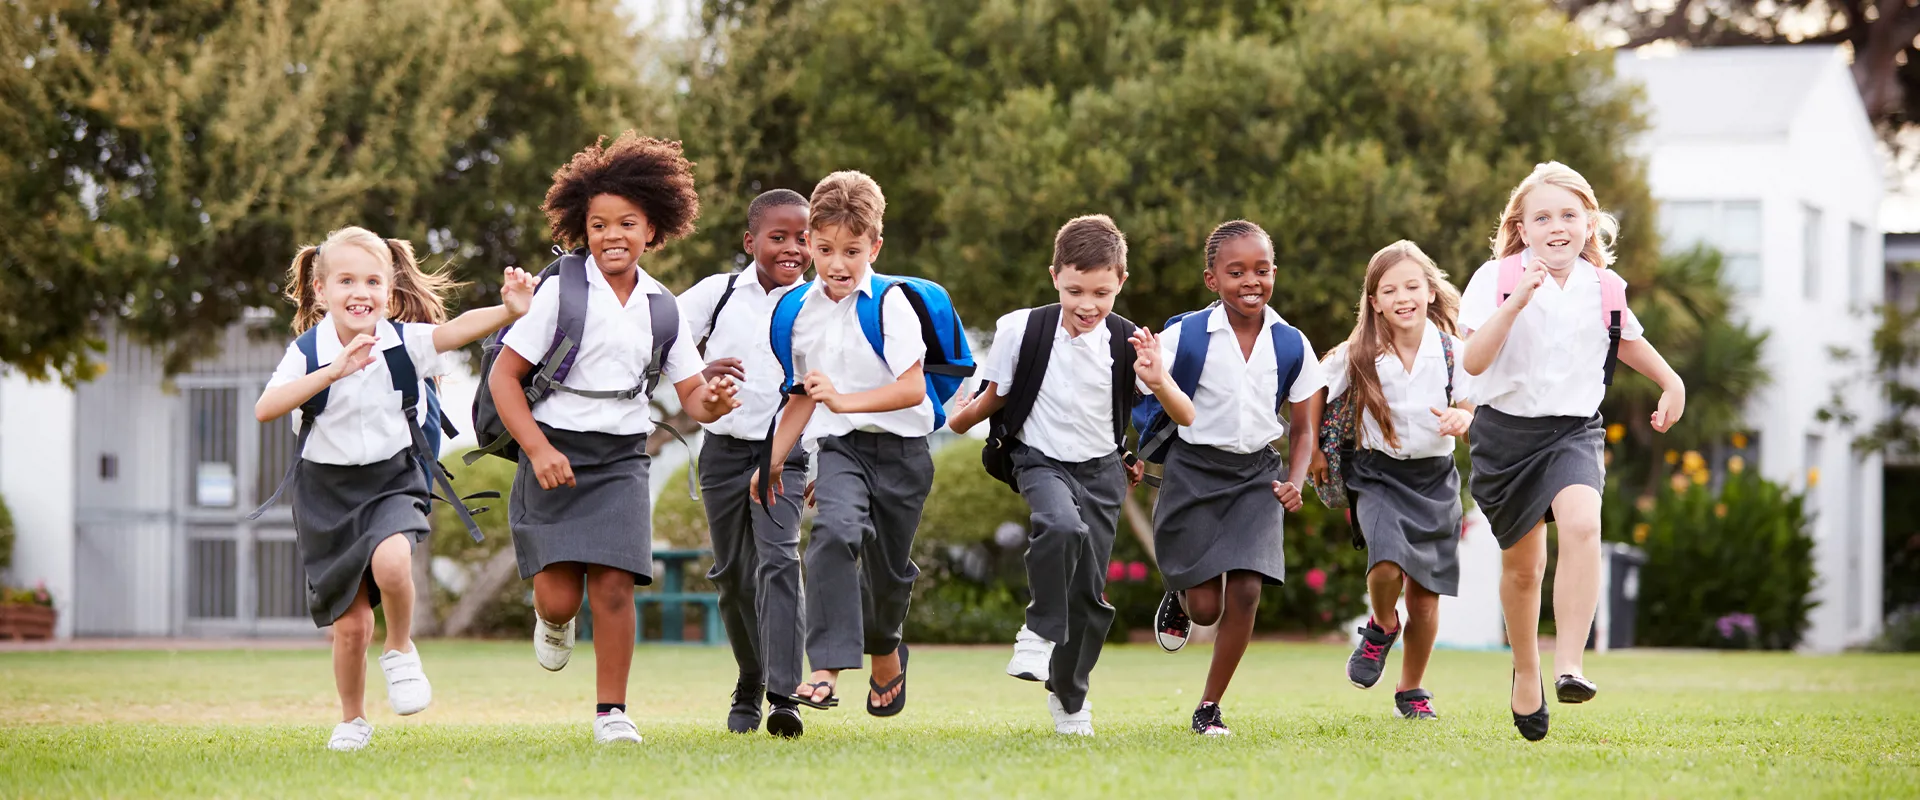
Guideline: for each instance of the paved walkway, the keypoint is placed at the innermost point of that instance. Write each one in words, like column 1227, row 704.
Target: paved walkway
column 318, row 642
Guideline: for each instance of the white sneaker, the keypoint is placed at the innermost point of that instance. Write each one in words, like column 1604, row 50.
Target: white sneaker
column 552, row 644
column 1031, row 656
column 614, row 726
column 350, row 736
column 1066, row 724
column 407, row 686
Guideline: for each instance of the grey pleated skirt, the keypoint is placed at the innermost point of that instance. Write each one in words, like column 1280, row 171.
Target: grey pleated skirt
column 341, row 513
column 1216, row 514
column 1521, row 463
column 1409, row 513
column 605, row 518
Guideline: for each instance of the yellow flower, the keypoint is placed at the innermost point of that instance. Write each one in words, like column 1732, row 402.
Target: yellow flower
column 1692, row 461
column 1813, row 477
column 1680, row 483
column 1740, row 441
column 1645, row 503
column 1616, row 432
column 1736, row 464
column 1720, row 510
column 1672, row 457
column 1640, row 533
column 1700, row 476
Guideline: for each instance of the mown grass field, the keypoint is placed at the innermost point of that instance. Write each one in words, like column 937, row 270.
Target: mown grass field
column 254, row 724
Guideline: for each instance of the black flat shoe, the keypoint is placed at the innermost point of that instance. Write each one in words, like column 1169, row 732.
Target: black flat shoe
column 744, row 716
column 785, row 722
column 1574, row 689
column 1533, row 727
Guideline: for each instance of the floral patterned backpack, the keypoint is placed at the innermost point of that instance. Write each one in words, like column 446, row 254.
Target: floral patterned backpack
column 1337, row 425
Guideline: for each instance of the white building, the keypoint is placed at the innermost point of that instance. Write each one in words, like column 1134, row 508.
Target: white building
column 1766, row 153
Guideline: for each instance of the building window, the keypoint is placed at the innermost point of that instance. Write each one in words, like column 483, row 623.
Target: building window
column 1857, row 266
column 1730, row 226
column 1810, row 253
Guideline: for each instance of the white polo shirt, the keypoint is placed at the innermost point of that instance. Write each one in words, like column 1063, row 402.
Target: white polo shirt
column 740, row 331
column 1233, row 406
column 363, row 422
column 827, row 337
column 1072, row 417
column 1553, row 362
column 1411, row 396
column 615, row 349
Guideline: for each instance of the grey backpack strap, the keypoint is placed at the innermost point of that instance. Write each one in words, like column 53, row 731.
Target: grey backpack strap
column 570, row 325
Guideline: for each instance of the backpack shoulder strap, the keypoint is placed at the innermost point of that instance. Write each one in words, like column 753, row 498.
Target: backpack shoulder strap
column 1120, row 344
column 714, row 318
column 1613, row 313
column 1289, row 354
column 1190, row 354
column 570, row 324
column 308, row 343
column 1023, row 389
column 400, row 370
column 868, row 308
column 780, row 331
column 1446, row 350
column 665, row 313
column 1509, row 278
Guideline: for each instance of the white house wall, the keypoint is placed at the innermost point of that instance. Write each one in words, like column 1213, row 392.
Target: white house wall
column 36, row 478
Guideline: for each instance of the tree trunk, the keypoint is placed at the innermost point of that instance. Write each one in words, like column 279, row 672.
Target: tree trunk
column 425, row 623
column 1142, row 526
column 482, row 591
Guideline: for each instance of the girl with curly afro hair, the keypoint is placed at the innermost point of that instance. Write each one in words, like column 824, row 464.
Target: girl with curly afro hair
column 580, row 508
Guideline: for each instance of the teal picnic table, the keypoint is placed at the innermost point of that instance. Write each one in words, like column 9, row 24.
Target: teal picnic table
column 673, row 598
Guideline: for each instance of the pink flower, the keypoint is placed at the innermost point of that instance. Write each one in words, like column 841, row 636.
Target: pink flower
column 1326, row 616
column 1116, row 571
column 1137, row 571
column 1317, row 580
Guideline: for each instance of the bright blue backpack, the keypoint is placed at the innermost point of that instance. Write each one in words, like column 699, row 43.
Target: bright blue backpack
column 1190, row 354
column 427, row 433
column 948, row 362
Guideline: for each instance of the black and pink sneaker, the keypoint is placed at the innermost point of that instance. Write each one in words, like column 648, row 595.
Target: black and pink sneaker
column 1414, row 704
column 1207, row 721
column 1370, row 658
column 1171, row 625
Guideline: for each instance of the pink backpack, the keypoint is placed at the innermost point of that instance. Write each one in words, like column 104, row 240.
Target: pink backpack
column 1613, row 303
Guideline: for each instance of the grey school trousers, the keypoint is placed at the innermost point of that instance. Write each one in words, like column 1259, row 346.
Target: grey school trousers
column 1076, row 507
column 869, row 493
column 756, row 558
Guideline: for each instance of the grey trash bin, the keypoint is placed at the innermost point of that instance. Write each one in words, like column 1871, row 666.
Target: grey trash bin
column 1621, row 604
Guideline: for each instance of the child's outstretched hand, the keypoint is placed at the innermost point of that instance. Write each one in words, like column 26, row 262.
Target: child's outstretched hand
column 355, row 356
column 1147, row 364
column 1453, row 421
column 1288, row 494
column 1530, row 280
column 516, row 291
column 821, row 390
column 1673, row 403
column 720, row 397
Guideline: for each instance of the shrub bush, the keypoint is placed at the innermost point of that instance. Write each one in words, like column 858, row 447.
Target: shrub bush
column 511, row 613
column 6, row 536
column 1731, row 568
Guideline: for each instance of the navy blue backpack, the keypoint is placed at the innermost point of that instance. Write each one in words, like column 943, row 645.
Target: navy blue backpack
column 427, row 434
column 1190, row 355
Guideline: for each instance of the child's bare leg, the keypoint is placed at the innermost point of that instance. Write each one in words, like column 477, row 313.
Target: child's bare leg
column 1522, row 567
column 1383, row 592
column 1242, row 603
column 558, row 590
column 1576, row 581
column 393, row 573
column 352, row 633
column 1422, row 626
column 611, row 593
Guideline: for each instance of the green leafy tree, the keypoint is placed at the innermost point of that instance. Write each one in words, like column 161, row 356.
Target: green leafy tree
column 1340, row 127
column 162, row 161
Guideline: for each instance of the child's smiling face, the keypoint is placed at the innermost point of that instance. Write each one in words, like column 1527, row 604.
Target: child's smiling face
column 1242, row 274
column 841, row 257
column 1554, row 225
column 1402, row 296
column 1086, row 296
column 617, row 233
column 355, row 286
column 779, row 245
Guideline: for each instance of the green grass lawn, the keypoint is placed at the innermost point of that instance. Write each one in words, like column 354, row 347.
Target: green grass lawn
column 254, row 724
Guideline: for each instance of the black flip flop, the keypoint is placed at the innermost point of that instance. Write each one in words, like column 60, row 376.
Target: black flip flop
column 899, row 700
column 833, row 698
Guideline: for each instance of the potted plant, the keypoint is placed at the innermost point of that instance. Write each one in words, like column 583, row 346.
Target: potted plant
column 27, row 613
